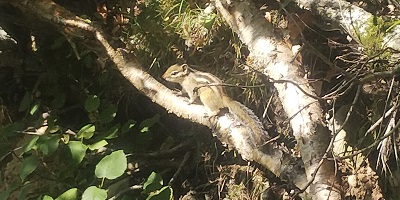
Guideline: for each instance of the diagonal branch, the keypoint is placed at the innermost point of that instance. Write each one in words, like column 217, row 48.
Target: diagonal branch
column 228, row 128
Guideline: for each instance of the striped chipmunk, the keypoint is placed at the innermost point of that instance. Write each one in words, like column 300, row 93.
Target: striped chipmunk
column 209, row 89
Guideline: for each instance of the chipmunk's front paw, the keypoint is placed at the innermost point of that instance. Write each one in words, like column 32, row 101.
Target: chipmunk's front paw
column 177, row 92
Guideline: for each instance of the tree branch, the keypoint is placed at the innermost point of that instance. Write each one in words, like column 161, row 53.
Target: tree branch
column 275, row 59
column 228, row 128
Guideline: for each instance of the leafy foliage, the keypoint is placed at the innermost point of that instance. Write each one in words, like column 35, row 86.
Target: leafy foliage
column 28, row 165
column 67, row 128
column 111, row 166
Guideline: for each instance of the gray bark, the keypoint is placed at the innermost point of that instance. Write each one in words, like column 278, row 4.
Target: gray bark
column 274, row 58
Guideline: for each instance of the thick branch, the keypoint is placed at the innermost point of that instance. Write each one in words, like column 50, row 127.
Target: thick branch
column 229, row 129
column 274, row 58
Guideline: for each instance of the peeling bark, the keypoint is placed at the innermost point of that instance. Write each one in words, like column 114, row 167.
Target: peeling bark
column 228, row 128
column 272, row 57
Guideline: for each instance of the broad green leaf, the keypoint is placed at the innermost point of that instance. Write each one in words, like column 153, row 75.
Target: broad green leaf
column 112, row 132
column 71, row 194
column 31, row 144
column 28, row 166
column 111, row 166
column 92, row 103
column 86, row 132
column 154, row 182
column 47, row 197
column 98, row 145
column 147, row 123
column 26, row 102
column 164, row 193
column 34, row 108
column 94, row 193
column 24, row 191
column 127, row 126
column 4, row 195
column 108, row 114
column 48, row 144
column 58, row 101
column 78, row 151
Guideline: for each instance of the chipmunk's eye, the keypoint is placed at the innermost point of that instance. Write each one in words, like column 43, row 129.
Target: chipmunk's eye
column 174, row 73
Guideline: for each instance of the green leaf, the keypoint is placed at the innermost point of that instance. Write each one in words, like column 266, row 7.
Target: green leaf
column 4, row 195
column 71, row 194
column 58, row 101
column 46, row 197
column 97, row 145
column 147, row 123
column 108, row 114
column 209, row 20
column 127, row 126
column 26, row 102
column 154, row 182
column 112, row 166
column 92, row 103
column 29, row 165
column 48, row 144
column 162, row 194
column 86, row 132
column 78, row 151
column 112, row 132
column 31, row 144
column 94, row 193
column 24, row 191
column 34, row 108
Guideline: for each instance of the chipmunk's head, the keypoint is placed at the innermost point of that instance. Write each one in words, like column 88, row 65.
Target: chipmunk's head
column 176, row 73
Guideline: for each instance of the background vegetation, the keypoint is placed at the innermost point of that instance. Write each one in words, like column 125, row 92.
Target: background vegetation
column 71, row 126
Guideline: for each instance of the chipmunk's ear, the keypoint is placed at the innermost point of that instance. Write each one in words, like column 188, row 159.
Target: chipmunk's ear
column 185, row 68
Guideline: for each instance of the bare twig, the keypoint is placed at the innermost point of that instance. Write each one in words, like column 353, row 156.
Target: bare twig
column 371, row 145
column 133, row 187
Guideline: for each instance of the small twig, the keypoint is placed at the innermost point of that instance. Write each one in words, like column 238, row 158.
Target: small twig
column 395, row 71
column 371, row 145
column 263, row 85
column 298, row 86
column 180, row 168
column 374, row 126
column 166, row 153
column 133, row 187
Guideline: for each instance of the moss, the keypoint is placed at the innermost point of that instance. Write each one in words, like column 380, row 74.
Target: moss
column 372, row 39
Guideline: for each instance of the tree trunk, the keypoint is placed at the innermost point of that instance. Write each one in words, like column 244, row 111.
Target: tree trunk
column 273, row 58
column 228, row 129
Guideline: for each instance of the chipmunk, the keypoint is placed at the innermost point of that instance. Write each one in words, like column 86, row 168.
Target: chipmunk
column 208, row 88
